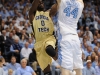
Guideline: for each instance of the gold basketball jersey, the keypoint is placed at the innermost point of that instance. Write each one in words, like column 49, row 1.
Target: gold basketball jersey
column 43, row 25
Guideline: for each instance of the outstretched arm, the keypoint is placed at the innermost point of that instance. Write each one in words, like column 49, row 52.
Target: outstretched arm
column 53, row 10
column 35, row 4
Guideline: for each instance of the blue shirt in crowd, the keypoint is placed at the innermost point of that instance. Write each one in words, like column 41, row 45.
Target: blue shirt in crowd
column 97, row 69
column 90, row 71
column 31, row 45
column 87, row 53
column 14, row 67
column 25, row 71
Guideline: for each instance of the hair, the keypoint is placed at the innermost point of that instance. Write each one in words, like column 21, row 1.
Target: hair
column 10, row 70
column 87, row 57
column 13, row 57
column 93, row 57
column 23, row 60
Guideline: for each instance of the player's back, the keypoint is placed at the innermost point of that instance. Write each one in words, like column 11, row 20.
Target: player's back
column 43, row 25
column 69, row 13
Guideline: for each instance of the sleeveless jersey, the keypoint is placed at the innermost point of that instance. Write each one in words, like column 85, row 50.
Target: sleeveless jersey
column 43, row 26
column 69, row 13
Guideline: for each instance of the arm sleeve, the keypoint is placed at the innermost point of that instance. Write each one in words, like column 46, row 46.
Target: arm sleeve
column 12, row 49
column 94, row 71
column 84, row 71
column 32, row 71
column 18, row 72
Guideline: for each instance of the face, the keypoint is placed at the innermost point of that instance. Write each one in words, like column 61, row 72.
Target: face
column 40, row 6
column 4, row 32
column 30, row 40
column 13, row 60
column 89, row 64
column 93, row 54
column 89, row 58
column 26, row 45
column 16, row 40
column 11, row 35
column 24, row 63
column 89, row 49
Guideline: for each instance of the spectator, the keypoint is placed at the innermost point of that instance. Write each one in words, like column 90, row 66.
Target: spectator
column 89, row 70
column 25, row 70
column 3, row 39
column 33, row 60
column 96, row 50
column 89, row 33
column 31, row 45
column 10, row 40
column 14, row 34
column 25, row 51
column 11, row 72
column 97, row 68
column 13, row 65
column 89, row 51
column 16, row 48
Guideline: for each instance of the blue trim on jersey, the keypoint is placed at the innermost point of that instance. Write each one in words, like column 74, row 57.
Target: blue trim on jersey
column 59, row 47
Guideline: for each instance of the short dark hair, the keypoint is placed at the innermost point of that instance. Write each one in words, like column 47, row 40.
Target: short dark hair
column 13, row 57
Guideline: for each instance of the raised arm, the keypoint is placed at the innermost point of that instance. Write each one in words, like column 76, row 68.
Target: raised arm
column 35, row 4
column 53, row 10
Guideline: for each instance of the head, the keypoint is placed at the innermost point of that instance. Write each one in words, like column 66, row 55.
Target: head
column 10, row 71
column 30, row 40
column 40, row 6
column 13, row 59
column 88, row 58
column 16, row 40
column 23, row 63
column 10, row 34
column 26, row 45
column 88, row 63
column 93, row 56
column 87, row 28
column 89, row 49
column 4, row 32
column 96, row 49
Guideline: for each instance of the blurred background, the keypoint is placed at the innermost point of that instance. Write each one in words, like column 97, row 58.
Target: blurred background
column 16, row 35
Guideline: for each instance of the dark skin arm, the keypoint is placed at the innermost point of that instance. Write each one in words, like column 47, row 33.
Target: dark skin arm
column 33, row 9
column 53, row 10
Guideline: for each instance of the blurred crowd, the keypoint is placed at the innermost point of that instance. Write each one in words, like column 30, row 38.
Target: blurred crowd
column 17, row 40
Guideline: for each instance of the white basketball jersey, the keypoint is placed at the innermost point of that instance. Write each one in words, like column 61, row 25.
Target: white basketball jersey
column 68, row 15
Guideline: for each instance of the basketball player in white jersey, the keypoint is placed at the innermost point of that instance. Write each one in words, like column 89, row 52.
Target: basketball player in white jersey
column 69, row 48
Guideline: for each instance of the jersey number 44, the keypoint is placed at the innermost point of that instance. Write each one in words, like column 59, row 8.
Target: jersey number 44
column 70, row 12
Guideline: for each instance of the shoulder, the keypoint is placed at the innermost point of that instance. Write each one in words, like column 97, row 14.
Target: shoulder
column 30, row 49
column 92, row 68
column 28, row 67
column 19, row 69
column 17, row 64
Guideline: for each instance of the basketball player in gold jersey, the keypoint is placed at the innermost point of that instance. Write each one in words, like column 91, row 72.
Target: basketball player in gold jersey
column 43, row 32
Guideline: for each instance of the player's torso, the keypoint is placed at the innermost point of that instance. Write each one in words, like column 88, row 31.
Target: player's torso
column 69, row 13
column 43, row 25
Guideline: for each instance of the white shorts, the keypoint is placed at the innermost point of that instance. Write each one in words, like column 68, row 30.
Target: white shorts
column 69, row 52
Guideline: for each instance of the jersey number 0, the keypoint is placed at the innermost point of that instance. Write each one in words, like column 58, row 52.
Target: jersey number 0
column 68, row 12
